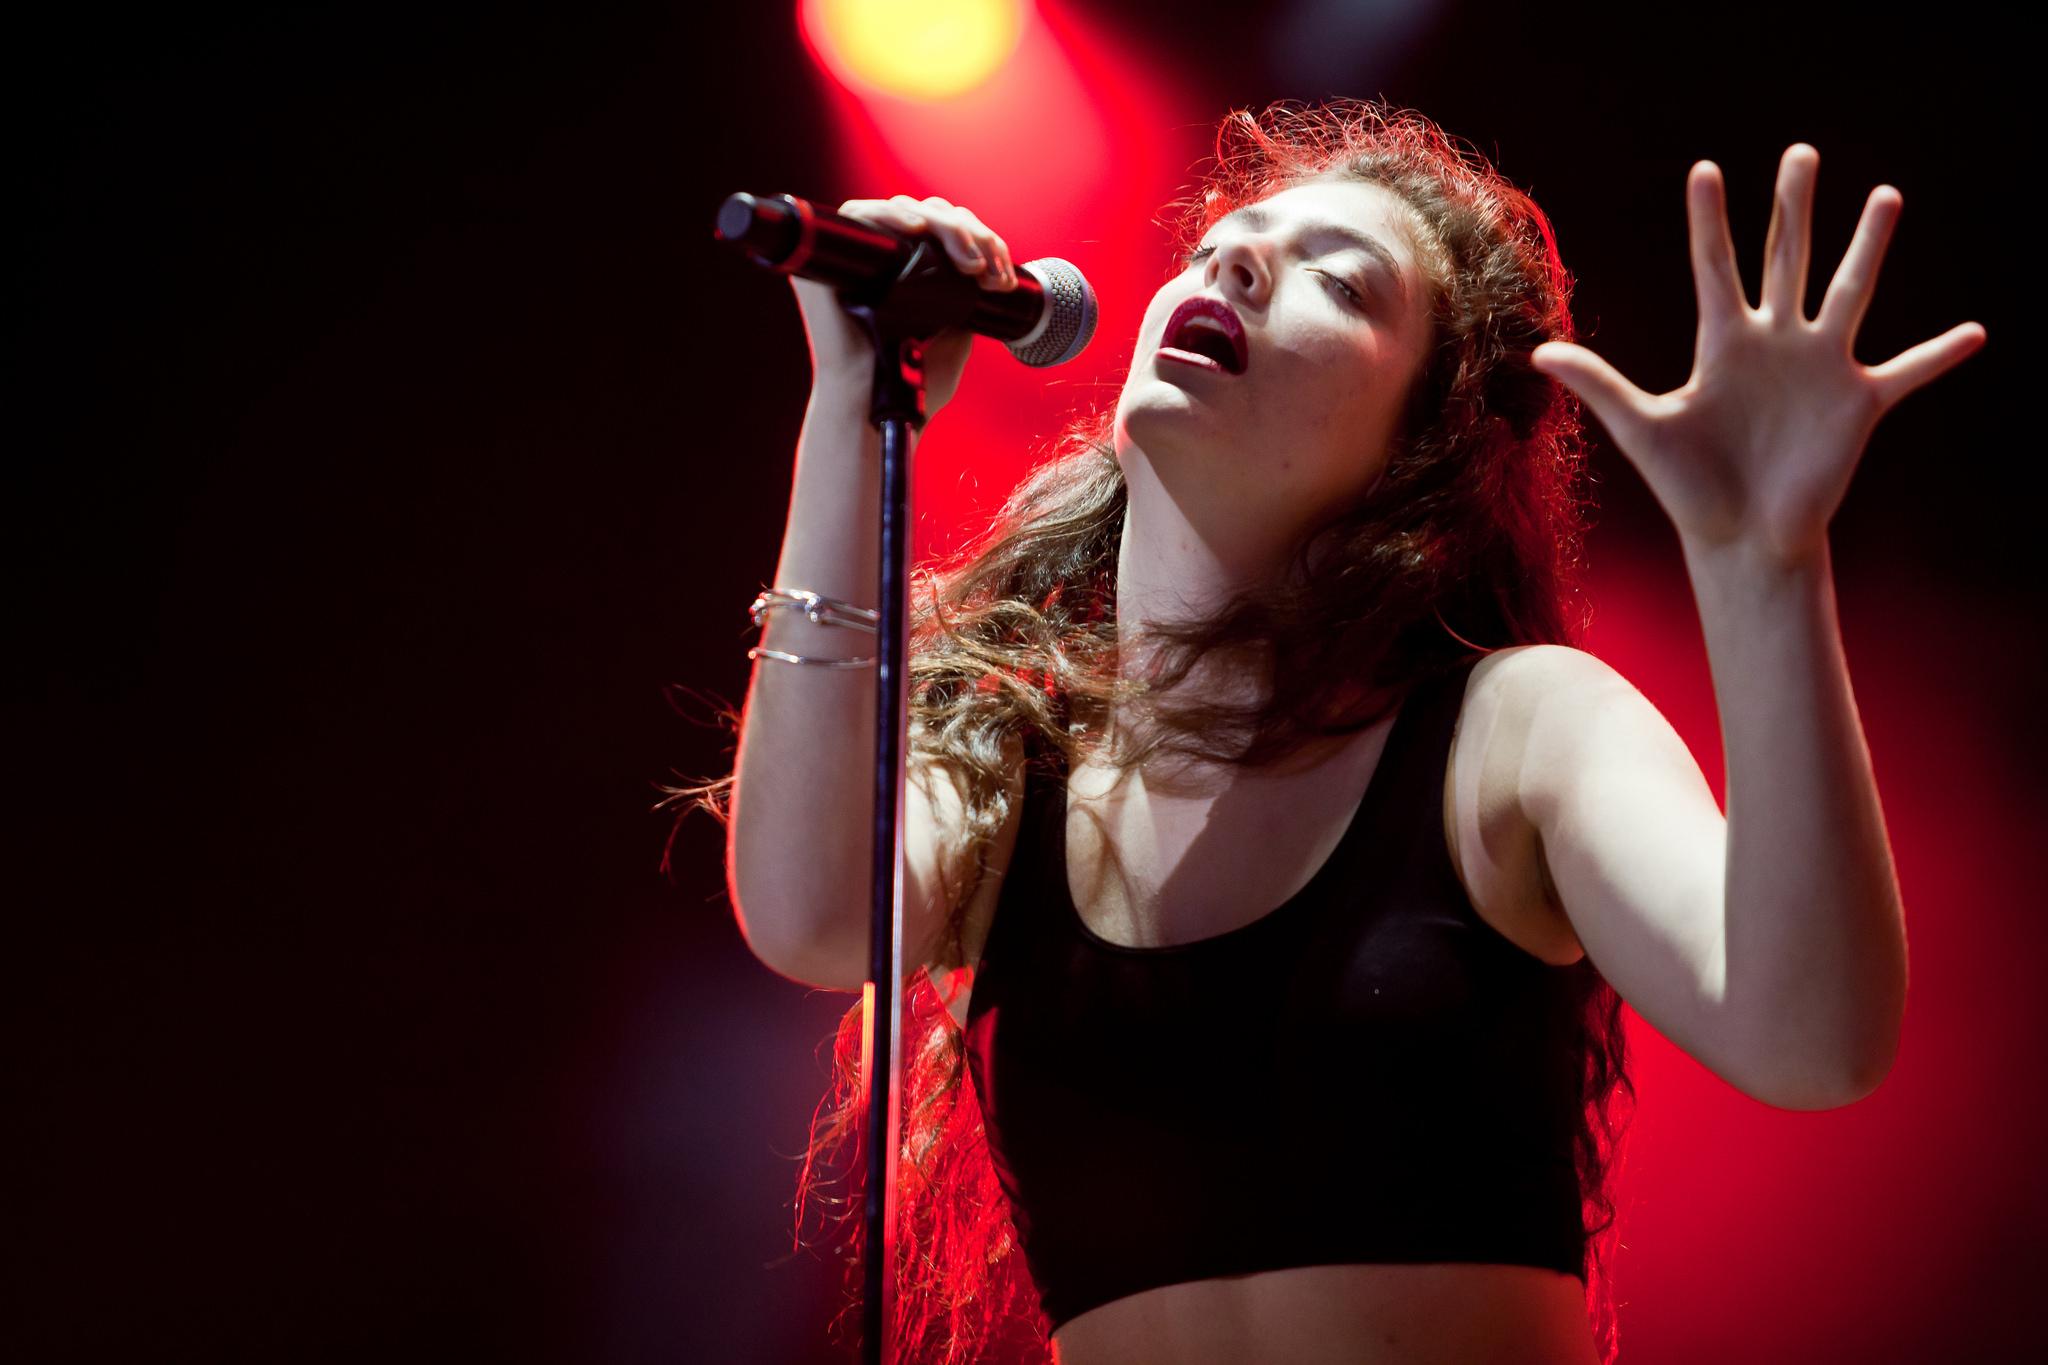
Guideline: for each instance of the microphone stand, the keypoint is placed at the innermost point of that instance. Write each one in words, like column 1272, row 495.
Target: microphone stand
column 901, row 314
column 907, row 313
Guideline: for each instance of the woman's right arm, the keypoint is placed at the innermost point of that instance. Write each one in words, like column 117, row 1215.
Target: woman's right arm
column 799, row 842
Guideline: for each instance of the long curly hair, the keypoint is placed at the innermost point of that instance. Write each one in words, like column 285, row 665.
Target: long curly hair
column 1472, row 540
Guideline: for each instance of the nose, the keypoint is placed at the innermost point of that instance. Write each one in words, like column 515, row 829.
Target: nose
column 1241, row 266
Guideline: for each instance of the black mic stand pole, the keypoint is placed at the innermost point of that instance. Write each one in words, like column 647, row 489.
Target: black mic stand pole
column 909, row 312
column 901, row 314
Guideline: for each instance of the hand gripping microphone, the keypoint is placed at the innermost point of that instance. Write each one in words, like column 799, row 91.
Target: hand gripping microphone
column 1046, row 320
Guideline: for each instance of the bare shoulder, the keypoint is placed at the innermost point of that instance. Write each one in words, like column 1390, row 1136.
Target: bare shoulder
column 1494, row 844
column 1547, row 665
column 951, row 971
column 1514, row 682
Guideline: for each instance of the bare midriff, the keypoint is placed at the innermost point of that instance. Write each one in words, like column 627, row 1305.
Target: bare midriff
column 1436, row 1314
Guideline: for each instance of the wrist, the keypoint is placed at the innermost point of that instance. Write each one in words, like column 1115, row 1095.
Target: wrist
column 842, row 395
column 1751, row 558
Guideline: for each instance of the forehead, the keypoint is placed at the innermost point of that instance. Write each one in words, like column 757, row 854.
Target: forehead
column 1355, row 203
column 1371, row 217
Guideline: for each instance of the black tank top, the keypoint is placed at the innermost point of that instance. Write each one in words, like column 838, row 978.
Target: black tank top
column 1370, row 1073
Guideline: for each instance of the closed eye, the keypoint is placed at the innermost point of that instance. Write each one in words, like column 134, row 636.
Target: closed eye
column 1343, row 286
column 1200, row 253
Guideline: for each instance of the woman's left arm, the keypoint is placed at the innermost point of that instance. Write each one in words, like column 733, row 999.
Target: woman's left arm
column 1750, row 458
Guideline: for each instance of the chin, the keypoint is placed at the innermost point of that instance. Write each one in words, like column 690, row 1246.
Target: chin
column 1168, row 430
column 1153, row 409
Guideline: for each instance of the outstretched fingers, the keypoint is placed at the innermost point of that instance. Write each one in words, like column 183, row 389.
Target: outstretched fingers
column 1849, row 292
column 1717, row 282
column 1621, row 407
column 1931, row 359
column 1788, row 245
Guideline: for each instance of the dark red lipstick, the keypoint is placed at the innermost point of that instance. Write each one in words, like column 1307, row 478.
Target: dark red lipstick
column 1203, row 328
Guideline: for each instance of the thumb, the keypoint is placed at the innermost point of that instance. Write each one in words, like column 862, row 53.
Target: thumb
column 1601, row 387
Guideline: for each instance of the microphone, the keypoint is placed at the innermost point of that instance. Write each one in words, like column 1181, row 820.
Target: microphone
column 1046, row 320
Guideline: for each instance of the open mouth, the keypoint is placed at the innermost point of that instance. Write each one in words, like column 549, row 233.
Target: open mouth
column 1206, row 332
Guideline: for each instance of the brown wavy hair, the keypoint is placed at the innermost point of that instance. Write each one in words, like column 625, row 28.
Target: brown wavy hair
column 1472, row 541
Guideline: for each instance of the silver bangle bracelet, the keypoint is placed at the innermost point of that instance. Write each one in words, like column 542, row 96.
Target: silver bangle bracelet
column 758, row 652
column 822, row 610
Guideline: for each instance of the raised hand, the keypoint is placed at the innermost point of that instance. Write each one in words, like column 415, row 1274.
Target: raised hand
column 1758, row 445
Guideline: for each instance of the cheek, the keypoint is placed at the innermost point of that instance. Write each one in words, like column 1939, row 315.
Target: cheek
column 1380, row 372
column 1356, row 408
column 1341, row 380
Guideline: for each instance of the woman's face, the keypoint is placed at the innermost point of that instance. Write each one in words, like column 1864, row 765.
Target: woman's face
column 1336, row 329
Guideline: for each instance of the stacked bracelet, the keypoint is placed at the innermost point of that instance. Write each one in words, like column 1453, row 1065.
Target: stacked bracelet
column 825, row 611
column 822, row 610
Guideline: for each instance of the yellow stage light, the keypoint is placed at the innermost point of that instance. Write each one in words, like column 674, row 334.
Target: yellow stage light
column 915, row 49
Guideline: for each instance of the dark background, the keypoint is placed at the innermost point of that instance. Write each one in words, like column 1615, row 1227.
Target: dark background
column 388, row 438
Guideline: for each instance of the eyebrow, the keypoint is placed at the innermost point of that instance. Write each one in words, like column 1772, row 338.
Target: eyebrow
column 1256, row 216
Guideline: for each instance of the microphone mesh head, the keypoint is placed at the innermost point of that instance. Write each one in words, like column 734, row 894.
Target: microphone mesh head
column 1069, row 321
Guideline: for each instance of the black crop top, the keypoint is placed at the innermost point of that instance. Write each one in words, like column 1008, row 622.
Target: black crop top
column 1370, row 1073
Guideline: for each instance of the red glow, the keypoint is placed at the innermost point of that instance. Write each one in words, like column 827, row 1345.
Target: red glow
column 1813, row 1235
column 1071, row 149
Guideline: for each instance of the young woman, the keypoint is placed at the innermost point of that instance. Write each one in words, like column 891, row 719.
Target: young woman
column 1277, row 862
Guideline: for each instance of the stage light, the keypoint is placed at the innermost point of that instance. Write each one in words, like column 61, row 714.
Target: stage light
column 913, row 49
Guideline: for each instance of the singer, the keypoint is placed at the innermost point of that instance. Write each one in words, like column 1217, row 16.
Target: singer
column 1278, row 862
